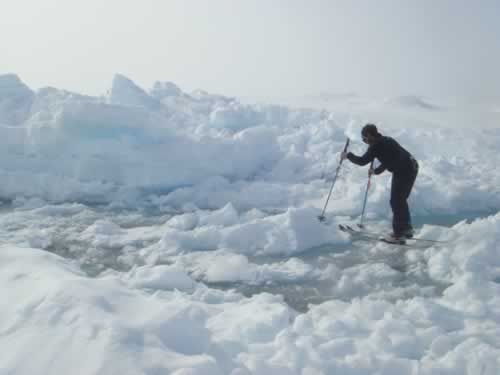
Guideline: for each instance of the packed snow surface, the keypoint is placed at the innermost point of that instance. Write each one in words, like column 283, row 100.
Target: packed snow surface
column 164, row 232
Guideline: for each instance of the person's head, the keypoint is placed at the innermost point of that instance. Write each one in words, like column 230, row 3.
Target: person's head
column 370, row 134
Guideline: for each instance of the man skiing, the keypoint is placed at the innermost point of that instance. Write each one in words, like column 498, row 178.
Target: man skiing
column 404, row 170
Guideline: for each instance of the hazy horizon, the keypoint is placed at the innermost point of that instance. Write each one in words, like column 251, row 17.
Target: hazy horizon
column 258, row 49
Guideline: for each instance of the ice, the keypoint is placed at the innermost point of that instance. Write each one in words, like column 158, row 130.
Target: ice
column 15, row 100
column 102, row 319
column 224, row 266
column 148, row 232
column 291, row 232
column 160, row 278
column 411, row 101
column 124, row 92
column 75, row 147
column 235, row 116
column 162, row 90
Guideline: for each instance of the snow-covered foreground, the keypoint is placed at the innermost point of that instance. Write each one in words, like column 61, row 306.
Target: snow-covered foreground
column 164, row 232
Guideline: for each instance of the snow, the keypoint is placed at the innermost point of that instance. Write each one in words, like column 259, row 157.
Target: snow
column 411, row 101
column 162, row 90
column 157, row 231
column 15, row 100
column 124, row 92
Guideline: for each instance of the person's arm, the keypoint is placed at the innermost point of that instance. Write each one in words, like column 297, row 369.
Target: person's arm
column 361, row 160
column 380, row 169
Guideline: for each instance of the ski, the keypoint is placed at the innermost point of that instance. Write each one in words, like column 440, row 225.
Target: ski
column 368, row 236
column 376, row 236
column 359, row 233
column 363, row 231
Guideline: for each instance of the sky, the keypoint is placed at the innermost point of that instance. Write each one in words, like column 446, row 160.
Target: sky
column 257, row 48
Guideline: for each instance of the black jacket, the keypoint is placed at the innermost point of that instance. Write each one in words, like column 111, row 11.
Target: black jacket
column 391, row 155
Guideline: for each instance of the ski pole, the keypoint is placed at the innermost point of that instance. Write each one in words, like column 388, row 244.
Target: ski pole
column 322, row 216
column 366, row 197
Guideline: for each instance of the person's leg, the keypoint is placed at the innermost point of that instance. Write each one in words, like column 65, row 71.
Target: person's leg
column 409, row 182
column 402, row 184
column 398, row 204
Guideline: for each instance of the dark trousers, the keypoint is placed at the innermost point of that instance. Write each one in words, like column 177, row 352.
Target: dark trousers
column 402, row 183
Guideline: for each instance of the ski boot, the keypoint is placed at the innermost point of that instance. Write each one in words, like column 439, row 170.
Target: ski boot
column 394, row 238
column 408, row 233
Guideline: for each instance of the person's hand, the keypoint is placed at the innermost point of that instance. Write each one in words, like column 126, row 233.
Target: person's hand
column 371, row 171
column 343, row 155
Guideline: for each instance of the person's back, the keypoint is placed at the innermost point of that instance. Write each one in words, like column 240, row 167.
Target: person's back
column 391, row 154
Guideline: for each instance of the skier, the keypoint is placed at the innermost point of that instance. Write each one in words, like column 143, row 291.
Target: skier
column 404, row 170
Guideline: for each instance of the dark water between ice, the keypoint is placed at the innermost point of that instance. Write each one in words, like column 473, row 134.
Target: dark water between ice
column 410, row 279
column 407, row 279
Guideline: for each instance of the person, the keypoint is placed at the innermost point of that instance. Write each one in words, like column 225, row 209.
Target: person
column 394, row 158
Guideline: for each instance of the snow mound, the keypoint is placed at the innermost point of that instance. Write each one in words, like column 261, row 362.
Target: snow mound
column 163, row 90
column 127, row 93
column 291, row 232
column 235, row 116
column 410, row 102
column 15, row 100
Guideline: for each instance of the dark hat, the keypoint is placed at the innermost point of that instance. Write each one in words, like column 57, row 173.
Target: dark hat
column 369, row 129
